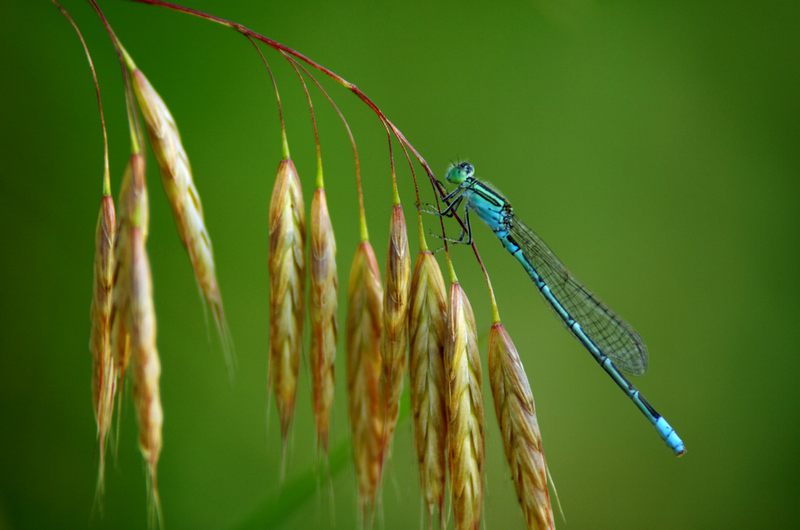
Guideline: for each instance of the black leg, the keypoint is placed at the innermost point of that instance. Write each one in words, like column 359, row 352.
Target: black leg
column 469, row 227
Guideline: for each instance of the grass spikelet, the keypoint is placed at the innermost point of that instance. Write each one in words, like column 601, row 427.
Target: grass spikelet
column 427, row 312
column 120, row 317
column 176, row 176
column 394, row 339
column 134, row 322
column 146, row 370
column 516, row 415
column 287, row 279
column 322, row 307
column 362, row 338
column 103, row 373
column 465, row 411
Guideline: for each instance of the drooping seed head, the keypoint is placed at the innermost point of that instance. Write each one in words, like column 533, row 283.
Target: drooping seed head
column 394, row 339
column 362, row 338
column 176, row 176
column 287, row 279
column 465, row 411
column 133, row 321
column 103, row 373
column 323, row 301
column 133, row 212
column 146, row 369
column 427, row 312
column 516, row 415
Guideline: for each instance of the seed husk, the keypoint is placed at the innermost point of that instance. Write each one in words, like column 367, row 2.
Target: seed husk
column 394, row 338
column 132, row 210
column 103, row 373
column 287, row 278
column 516, row 415
column 176, row 176
column 362, row 340
column 133, row 323
column 465, row 412
column 323, row 301
column 427, row 323
column 146, row 370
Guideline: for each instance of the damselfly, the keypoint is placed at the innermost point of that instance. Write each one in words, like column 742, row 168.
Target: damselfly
column 611, row 341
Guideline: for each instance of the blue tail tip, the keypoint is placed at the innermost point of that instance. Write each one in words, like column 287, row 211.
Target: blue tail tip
column 670, row 436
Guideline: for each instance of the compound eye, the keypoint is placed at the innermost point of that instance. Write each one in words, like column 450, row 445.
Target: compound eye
column 467, row 167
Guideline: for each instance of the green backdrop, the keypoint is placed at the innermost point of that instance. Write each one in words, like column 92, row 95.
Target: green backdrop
column 653, row 145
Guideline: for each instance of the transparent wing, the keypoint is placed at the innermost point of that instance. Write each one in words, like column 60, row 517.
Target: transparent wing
column 610, row 333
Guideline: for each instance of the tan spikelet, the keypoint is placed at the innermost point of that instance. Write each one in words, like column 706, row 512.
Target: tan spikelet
column 362, row 338
column 146, row 370
column 322, row 307
column 394, row 339
column 287, row 279
column 176, row 176
column 120, row 317
column 516, row 414
column 465, row 412
column 427, row 311
column 134, row 323
column 103, row 373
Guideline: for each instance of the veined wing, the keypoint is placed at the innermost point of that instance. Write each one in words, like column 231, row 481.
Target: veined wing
column 614, row 337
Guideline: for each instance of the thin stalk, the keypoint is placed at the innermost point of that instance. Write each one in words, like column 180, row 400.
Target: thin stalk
column 106, row 171
column 320, row 183
column 437, row 186
column 362, row 217
column 137, row 137
column 284, row 140
column 280, row 47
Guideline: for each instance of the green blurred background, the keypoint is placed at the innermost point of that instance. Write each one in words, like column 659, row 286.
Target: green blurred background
column 653, row 145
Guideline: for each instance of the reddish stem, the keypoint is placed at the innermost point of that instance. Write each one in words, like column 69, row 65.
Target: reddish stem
column 133, row 119
column 349, row 133
column 274, row 86
column 439, row 189
column 280, row 47
column 310, row 106
column 106, row 172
